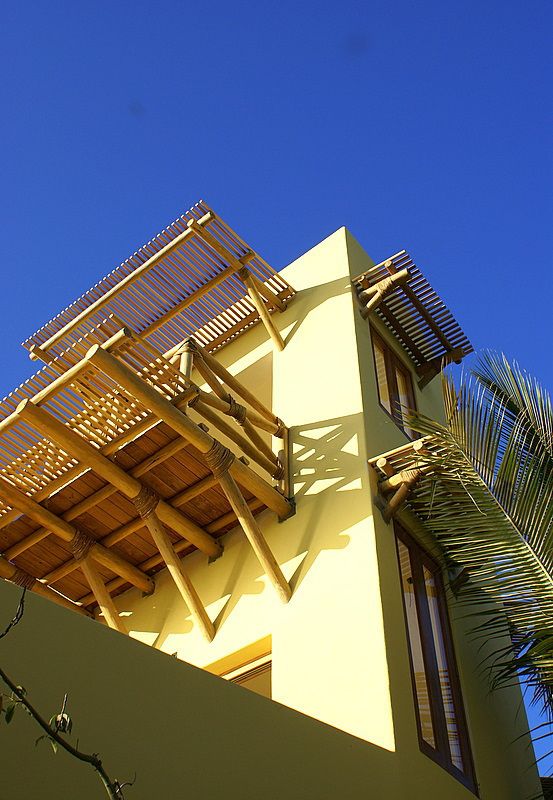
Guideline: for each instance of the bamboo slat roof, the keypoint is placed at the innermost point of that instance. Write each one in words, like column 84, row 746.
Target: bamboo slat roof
column 415, row 313
column 173, row 269
column 111, row 420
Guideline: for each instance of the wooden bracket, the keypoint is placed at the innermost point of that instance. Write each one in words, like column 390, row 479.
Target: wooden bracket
column 371, row 297
column 428, row 371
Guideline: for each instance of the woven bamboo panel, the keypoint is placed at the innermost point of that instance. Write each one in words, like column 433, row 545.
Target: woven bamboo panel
column 215, row 318
column 401, row 312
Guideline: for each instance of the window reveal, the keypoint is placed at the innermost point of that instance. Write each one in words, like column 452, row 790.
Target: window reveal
column 440, row 716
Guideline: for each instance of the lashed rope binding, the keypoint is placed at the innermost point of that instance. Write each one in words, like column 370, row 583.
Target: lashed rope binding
column 219, row 458
column 80, row 545
column 237, row 411
column 23, row 579
column 146, row 501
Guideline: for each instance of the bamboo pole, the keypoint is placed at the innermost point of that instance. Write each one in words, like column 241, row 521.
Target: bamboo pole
column 180, row 423
column 235, row 385
column 70, row 534
column 181, row 579
column 261, row 308
column 103, row 598
column 180, row 547
column 255, row 537
column 270, row 465
column 97, row 497
column 408, row 476
column 129, row 279
column 134, row 525
column 19, row 577
column 125, row 483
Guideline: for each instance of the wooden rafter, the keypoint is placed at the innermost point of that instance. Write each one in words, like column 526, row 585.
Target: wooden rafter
column 174, row 286
column 181, row 424
column 396, row 486
column 397, row 292
column 233, row 470
column 72, row 442
column 77, row 540
column 180, row 547
column 239, row 266
column 103, row 598
column 97, row 497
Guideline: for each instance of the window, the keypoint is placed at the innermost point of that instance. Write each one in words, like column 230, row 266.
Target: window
column 395, row 387
column 250, row 667
column 256, row 676
column 440, row 716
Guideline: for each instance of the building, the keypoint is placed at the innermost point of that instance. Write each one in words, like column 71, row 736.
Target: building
column 237, row 495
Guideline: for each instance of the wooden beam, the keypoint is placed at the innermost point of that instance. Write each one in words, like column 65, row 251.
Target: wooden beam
column 261, row 308
column 180, row 423
column 428, row 371
column 255, row 537
column 19, row 577
column 372, row 297
column 68, row 533
column 179, row 547
column 234, row 384
column 269, row 464
column 236, row 263
column 97, row 497
column 134, row 525
column 73, row 443
column 420, row 308
column 103, row 598
column 128, row 280
column 408, row 476
column 181, row 579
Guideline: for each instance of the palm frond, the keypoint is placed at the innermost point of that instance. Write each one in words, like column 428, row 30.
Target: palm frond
column 488, row 499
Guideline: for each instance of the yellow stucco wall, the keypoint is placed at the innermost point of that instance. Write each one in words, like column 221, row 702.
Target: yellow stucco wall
column 339, row 646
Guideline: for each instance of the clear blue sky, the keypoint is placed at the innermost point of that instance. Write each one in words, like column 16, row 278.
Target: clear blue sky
column 424, row 126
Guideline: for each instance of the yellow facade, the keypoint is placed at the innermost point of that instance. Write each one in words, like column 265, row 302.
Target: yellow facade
column 339, row 647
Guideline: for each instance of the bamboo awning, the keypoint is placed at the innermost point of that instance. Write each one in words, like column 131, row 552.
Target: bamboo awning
column 113, row 468
column 197, row 277
column 412, row 310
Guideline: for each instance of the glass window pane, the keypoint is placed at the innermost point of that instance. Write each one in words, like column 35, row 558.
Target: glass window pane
column 382, row 381
column 421, row 687
column 443, row 671
column 405, row 398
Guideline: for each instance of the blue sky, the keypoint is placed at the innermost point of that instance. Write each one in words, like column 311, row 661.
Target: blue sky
column 423, row 126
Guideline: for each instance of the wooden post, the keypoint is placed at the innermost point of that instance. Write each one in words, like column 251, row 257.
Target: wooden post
column 181, row 579
column 180, row 423
column 103, row 598
column 261, row 308
column 69, row 534
column 125, row 483
column 186, row 360
column 255, row 537
column 235, row 385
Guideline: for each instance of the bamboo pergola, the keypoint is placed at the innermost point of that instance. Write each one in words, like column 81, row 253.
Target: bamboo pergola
column 197, row 277
column 410, row 308
column 114, row 462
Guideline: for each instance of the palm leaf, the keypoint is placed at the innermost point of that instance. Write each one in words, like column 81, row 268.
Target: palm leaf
column 489, row 502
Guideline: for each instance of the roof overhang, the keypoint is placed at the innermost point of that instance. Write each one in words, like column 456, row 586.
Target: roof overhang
column 410, row 308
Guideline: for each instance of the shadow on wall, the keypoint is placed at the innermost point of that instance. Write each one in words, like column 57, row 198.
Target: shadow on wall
column 184, row 732
column 303, row 304
column 331, row 484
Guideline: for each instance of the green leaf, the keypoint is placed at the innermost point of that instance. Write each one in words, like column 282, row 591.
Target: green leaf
column 54, row 745
column 10, row 711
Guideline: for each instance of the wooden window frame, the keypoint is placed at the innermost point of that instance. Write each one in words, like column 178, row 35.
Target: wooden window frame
column 441, row 754
column 391, row 363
